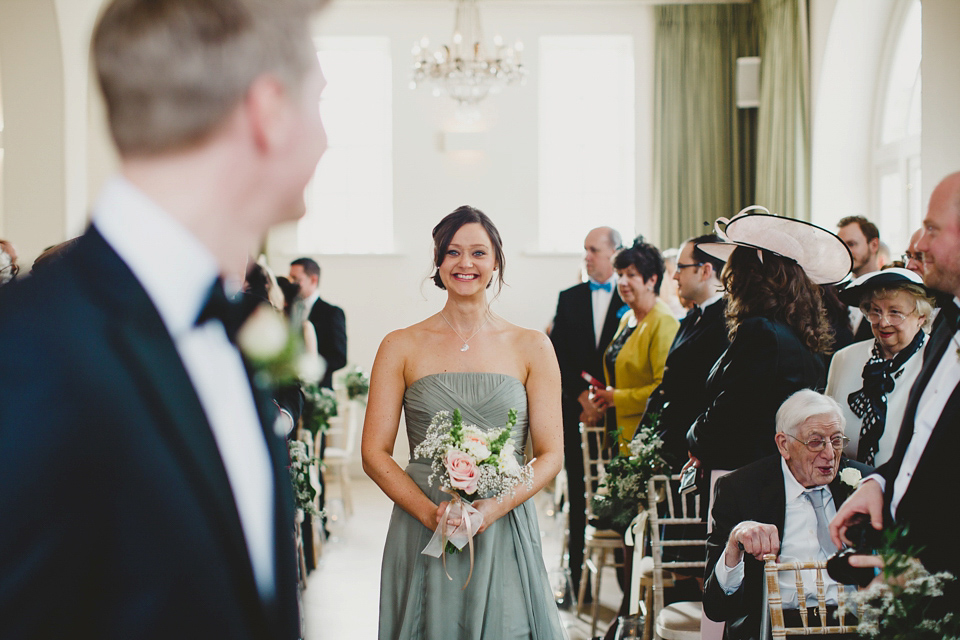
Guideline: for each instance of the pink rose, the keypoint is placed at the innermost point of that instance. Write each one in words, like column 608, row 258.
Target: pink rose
column 462, row 470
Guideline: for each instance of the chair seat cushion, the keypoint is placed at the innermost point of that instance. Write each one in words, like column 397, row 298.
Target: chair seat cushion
column 680, row 620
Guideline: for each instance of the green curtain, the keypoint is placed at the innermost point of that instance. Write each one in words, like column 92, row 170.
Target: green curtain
column 783, row 129
column 704, row 147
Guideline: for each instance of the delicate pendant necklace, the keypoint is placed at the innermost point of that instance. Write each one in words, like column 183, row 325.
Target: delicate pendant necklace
column 465, row 340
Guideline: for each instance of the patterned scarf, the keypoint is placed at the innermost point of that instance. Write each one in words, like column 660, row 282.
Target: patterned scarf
column 870, row 402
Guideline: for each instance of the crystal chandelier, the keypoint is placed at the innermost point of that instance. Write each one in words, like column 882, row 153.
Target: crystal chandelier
column 463, row 70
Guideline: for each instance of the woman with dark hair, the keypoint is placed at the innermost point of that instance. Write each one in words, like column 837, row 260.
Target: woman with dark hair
column 633, row 363
column 468, row 358
column 778, row 332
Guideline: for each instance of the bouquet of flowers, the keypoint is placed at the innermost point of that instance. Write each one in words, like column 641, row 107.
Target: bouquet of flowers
column 899, row 606
column 319, row 405
column 623, row 490
column 304, row 493
column 467, row 462
column 358, row 385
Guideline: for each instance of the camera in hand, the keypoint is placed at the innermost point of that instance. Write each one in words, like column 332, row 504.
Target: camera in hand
column 865, row 540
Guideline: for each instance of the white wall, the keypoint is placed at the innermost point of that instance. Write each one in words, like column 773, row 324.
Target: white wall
column 847, row 41
column 940, row 140
column 382, row 293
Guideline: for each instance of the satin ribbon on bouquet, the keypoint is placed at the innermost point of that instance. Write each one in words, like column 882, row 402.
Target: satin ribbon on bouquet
column 460, row 535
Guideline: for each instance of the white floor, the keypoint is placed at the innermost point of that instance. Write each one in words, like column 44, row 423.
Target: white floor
column 340, row 601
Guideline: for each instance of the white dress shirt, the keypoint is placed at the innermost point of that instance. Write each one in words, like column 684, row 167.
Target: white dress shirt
column 938, row 390
column 799, row 543
column 177, row 271
column 600, row 300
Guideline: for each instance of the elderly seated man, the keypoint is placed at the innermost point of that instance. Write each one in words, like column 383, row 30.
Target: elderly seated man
column 781, row 504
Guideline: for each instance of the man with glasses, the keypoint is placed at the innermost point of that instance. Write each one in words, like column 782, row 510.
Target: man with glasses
column 913, row 259
column 781, row 505
column 701, row 340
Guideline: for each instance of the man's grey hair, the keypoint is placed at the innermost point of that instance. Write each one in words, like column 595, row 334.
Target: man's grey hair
column 616, row 240
column 802, row 406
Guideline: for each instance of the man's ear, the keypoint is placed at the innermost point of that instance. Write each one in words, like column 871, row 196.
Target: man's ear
column 267, row 108
column 874, row 245
column 781, row 440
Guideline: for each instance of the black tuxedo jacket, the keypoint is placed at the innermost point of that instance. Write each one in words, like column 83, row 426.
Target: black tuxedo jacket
column 331, row 326
column 118, row 520
column 923, row 506
column 762, row 367
column 682, row 395
column 573, row 340
column 754, row 492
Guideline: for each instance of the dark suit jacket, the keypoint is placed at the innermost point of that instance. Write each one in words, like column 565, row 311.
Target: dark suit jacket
column 754, row 492
column 682, row 395
column 573, row 340
column 331, row 326
column 762, row 367
column 118, row 519
column 922, row 506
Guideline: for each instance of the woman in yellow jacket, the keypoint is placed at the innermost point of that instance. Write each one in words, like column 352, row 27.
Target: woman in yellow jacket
column 634, row 361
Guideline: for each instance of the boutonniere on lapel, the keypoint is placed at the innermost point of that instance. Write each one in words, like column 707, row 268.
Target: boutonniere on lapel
column 850, row 477
column 276, row 353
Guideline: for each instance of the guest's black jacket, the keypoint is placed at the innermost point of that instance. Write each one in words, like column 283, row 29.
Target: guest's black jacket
column 762, row 367
column 682, row 394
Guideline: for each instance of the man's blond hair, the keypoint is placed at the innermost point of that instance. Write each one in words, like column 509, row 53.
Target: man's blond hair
column 172, row 70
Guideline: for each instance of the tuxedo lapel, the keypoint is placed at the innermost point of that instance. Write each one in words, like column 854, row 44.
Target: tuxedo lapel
column 773, row 499
column 141, row 338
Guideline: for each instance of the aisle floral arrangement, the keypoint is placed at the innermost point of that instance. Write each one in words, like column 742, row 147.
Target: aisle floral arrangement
column 902, row 606
column 357, row 384
column 304, row 493
column 623, row 490
column 319, row 405
column 468, row 462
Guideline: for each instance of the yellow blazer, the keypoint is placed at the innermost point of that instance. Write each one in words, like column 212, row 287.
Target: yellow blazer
column 639, row 365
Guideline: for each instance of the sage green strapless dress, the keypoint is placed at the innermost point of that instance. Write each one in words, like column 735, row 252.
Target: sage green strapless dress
column 509, row 595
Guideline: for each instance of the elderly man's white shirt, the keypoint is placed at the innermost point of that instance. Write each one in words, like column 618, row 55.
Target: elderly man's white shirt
column 177, row 271
column 799, row 543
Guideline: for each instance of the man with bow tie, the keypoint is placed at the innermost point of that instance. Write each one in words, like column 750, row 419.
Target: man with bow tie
column 586, row 319
column 701, row 340
column 144, row 490
column 781, row 504
column 910, row 488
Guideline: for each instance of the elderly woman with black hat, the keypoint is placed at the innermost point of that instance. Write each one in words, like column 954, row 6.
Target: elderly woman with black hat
column 871, row 379
column 778, row 332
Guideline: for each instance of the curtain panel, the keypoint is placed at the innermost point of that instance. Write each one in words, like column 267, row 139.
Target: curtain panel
column 704, row 147
column 783, row 128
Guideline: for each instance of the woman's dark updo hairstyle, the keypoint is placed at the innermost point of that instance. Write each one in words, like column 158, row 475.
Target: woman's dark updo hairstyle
column 645, row 258
column 777, row 289
column 447, row 228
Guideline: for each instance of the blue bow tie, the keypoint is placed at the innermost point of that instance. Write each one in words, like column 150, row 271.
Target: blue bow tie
column 606, row 286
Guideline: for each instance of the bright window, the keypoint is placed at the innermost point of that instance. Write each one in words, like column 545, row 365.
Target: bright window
column 587, row 142
column 350, row 198
column 897, row 155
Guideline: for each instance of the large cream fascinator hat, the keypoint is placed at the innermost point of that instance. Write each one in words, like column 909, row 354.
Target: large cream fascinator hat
column 821, row 254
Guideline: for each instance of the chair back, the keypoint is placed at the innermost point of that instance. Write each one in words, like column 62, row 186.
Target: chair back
column 662, row 492
column 773, row 612
column 634, row 537
column 598, row 449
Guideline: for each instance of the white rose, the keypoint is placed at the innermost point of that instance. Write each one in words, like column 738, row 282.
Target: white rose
column 475, row 443
column 310, row 367
column 508, row 463
column 264, row 335
column 850, row 476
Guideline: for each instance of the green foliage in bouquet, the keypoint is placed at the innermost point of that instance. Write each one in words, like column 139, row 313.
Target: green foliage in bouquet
column 319, row 405
column 304, row 494
column 623, row 490
column 358, row 385
column 907, row 603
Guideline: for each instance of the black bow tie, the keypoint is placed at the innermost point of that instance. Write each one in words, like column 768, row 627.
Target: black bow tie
column 219, row 307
